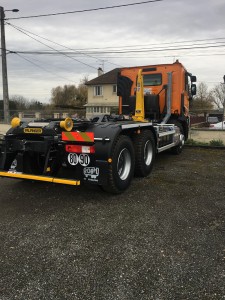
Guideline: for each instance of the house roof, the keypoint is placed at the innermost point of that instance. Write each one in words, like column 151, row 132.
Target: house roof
column 107, row 78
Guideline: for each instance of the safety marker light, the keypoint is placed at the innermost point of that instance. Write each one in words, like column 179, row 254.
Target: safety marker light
column 67, row 124
column 15, row 122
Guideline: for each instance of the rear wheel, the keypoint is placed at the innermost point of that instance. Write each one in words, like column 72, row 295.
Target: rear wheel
column 121, row 169
column 144, row 145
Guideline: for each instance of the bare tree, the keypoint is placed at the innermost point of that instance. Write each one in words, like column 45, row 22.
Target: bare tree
column 70, row 95
column 63, row 95
column 219, row 95
column 19, row 101
column 35, row 105
column 203, row 100
column 82, row 91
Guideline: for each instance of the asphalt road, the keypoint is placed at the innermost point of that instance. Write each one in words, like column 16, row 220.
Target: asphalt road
column 164, row 238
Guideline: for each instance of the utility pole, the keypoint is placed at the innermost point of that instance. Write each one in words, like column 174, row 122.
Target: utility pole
column 4, row 69
column 4, row 66
column 223, row 104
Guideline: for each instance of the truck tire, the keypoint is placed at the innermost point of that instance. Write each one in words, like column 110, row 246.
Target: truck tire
column 121, row 170
column 178, row 149
column 144, row 147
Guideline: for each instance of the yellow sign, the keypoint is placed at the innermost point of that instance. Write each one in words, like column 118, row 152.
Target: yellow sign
column 33, row 130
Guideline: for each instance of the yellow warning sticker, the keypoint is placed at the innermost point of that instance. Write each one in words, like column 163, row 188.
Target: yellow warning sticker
column 33, row 130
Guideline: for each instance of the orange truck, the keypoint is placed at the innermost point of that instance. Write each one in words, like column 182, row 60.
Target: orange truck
column 167, row 88
column 154, row 103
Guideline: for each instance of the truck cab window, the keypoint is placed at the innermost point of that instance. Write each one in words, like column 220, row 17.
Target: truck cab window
column 152, row 79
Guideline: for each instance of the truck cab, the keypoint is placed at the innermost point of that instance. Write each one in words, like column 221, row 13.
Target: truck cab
column 168, row 88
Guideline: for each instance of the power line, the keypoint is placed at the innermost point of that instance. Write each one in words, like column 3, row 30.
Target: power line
column 88, row 52
column 40, row 67
column 79, row 52
column 153, row 44
column 120, row 49
column 115, row 50
column 45, row 63
column 46, row 39
column 141, row 50
column 53, row 48
column 160, row 56
column 75, row 52
column 85, row 10
column 160, row 49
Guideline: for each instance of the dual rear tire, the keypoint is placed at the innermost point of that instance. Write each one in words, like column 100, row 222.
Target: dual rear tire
column 121, row 169
column 129, row 158
column 144, row 145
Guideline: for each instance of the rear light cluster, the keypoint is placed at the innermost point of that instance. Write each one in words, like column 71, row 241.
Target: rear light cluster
column 80, row 149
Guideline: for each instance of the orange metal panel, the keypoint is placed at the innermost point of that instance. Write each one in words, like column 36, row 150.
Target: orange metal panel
column 178, row 83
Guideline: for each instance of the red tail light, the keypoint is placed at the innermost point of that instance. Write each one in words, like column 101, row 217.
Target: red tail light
column 80, row 149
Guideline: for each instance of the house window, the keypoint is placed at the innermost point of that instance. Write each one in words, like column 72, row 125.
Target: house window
column 98, row 90
column 114, row 88
column 95, row 110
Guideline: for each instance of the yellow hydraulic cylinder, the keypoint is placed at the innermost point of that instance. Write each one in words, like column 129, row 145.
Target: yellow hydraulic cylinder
column 140, row 108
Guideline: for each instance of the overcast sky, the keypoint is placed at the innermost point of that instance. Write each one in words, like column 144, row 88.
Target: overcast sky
column 150, row 33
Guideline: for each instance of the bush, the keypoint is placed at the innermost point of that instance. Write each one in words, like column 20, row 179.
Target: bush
column 195, row 143
column 216, row 143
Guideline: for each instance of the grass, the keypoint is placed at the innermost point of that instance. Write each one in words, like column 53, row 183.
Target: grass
column 217, row 143
column 212, row 143
column 196, row 143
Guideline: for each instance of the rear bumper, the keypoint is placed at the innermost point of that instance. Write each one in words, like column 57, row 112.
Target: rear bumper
column 40, row 178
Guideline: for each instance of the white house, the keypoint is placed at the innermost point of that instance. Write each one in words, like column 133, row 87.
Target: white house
column 102, row 93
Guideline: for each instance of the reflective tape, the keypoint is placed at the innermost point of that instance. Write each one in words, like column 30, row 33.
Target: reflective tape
column 78, row 136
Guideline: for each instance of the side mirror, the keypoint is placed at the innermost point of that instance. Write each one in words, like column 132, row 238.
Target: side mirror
column 193, row 89
column 193, row 78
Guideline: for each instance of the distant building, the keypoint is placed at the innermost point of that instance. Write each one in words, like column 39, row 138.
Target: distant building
column 102, row 93
column 216, row 114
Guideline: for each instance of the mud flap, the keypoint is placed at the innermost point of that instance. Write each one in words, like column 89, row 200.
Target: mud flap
column 96, row 174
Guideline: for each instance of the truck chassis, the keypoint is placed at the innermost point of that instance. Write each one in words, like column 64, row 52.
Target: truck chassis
column 107, row 154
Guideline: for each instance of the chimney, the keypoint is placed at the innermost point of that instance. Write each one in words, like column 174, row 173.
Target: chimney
column 100, row 72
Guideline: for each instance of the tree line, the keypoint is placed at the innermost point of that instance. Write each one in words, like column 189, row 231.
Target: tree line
column 206, row 99
column 62, row 97
column 19, row 103
column 70, row 95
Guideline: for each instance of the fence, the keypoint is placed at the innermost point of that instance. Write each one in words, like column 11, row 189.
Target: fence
column 206, row 135
column 44, row 114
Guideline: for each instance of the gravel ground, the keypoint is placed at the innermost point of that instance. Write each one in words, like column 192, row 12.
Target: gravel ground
column 164, row 238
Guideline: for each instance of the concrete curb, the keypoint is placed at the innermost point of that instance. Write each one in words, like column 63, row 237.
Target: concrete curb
column 4, row 128
column 205, row 146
